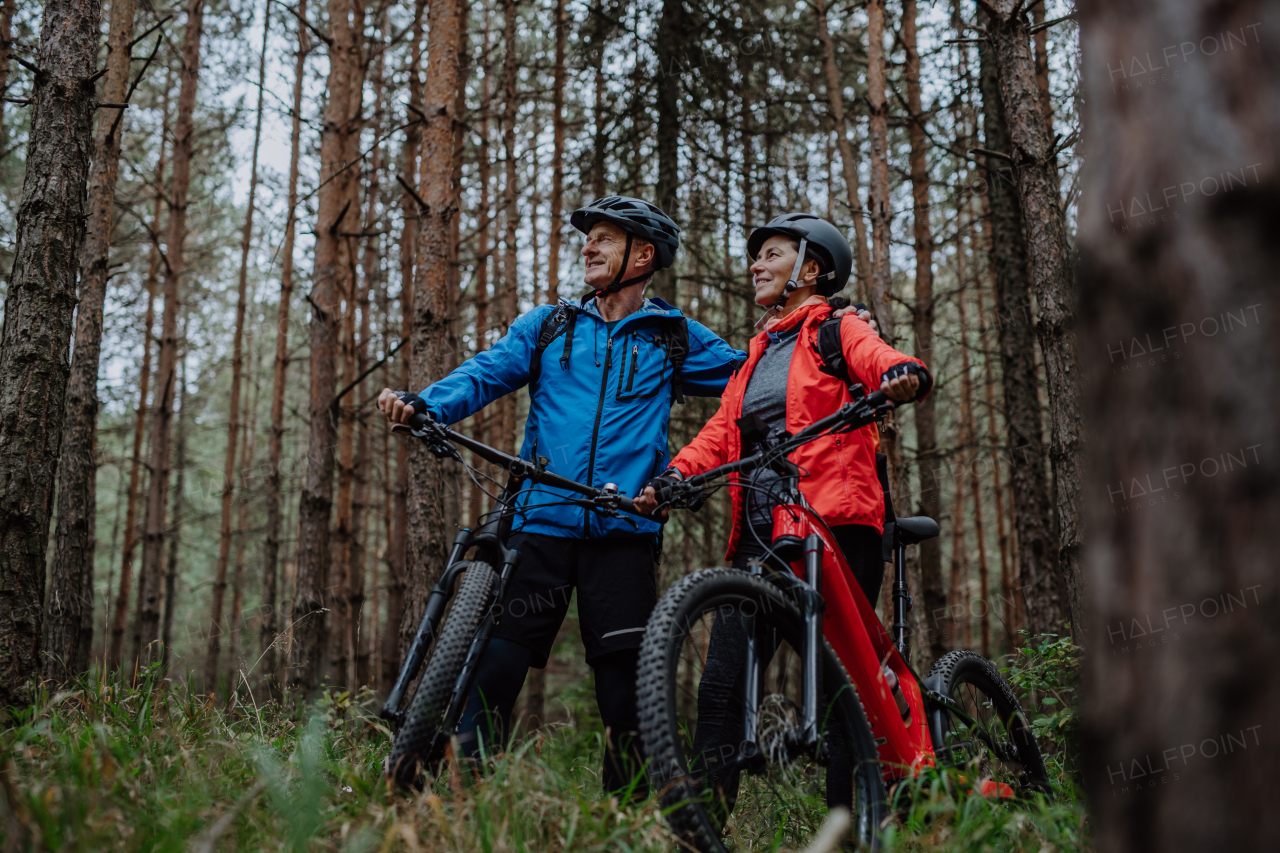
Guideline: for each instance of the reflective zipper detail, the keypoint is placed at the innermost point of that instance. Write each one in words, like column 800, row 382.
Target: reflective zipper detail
column 635, row 357
column 595, row 436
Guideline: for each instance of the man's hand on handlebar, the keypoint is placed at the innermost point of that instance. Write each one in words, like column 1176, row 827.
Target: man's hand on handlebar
column 396, row 410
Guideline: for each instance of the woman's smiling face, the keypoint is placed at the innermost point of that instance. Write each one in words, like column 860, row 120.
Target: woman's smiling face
column 772, row 269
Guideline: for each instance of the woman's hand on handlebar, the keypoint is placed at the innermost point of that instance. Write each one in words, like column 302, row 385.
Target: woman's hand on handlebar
column 390, row 404
column 647, row 501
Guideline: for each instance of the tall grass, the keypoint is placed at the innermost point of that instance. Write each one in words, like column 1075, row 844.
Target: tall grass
column 150, row 764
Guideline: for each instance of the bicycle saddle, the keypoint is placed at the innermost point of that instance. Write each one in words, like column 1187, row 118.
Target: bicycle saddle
column 916, row 529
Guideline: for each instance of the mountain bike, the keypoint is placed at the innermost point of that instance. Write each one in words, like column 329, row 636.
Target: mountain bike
column 447, row 647
column 796, row 679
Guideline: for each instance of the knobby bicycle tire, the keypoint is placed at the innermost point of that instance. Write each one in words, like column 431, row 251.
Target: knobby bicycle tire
column 961, row 667
column 418, row 743
column 682, row 799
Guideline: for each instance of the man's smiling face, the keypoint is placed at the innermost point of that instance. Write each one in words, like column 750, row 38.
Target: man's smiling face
column 603, row 251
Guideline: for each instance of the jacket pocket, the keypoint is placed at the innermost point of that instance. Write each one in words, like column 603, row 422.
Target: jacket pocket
column 644, row 370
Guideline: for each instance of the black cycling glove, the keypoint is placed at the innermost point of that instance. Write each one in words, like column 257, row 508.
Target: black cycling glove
column 907, row 368
column 662, row 486
column 415, row 402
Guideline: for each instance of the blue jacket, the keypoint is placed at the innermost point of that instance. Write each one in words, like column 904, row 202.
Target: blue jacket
column 603, row 419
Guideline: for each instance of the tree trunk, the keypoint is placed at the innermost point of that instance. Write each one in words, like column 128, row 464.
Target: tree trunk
column 242, row 516
column 329, row 280
column 1053, row 279
column 162, row 409
column 599, row 123
column 237, row 368
column 1033, row 519
column 39, row 302
column 1042, row 66
column 398, row 536
column 175, row 532
column 881, row 209
column 673, row 28
column 969, row 442
column 7, row 10
column 275, row 447
column 957, row 610
column 434, row 482
column 68, row 629
column 1182, row 623
column 922, row 317
column 557, row 158
column 1007, row 592
column 848, row 161
column 483, row 252
column 509, row 300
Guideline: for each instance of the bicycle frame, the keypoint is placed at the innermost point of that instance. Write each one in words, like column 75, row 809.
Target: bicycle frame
column 490, row 542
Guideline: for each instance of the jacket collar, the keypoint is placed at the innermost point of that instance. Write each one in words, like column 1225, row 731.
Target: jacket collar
column 651, row 307
column 811, row 311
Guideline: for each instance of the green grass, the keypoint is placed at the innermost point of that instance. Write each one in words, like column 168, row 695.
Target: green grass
column 153, row 765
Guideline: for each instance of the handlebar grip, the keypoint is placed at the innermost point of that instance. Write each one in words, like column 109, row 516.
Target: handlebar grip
column 420, row 418
column 877, row 398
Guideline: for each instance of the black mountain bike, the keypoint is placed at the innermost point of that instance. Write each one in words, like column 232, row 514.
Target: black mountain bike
column 451, row 645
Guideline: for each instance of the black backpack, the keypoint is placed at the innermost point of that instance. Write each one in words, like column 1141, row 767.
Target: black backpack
column 673, row 336
column 831, row 353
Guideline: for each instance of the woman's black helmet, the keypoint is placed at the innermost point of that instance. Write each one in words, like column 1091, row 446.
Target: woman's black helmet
column 637, row 218
column 821, row 239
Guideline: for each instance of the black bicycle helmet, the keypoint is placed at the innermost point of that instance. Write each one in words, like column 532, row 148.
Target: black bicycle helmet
column 638, row 219
column 819, row 238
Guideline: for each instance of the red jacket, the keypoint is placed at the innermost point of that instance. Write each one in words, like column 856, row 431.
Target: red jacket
column 838, row 472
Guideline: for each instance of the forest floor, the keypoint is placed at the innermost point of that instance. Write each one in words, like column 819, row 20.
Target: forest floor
column 154, row 765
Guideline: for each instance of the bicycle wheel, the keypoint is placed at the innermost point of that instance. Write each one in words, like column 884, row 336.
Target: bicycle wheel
column 999, row 747
column 691, row 694
column 421, row 741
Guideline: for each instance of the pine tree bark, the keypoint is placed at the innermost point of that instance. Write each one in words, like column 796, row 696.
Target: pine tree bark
column 275, row 447
column 115, row 646
column 237, row 369
column 881, row 210
column 7, row 10
column 39, row 302
column 969, row 442
column 339, row 138
column 557, row 156
column 1203, row 547
column 1008, row 593
column 166, row 370
column 433, row 483
column 922, row 319
column 1033, row 518
column 483, row 256
column 848, row 160
column 510, row 297
column 68, row 630
column 248, row 434
column 397, row 540
column 673, row 28
column 1053, row 280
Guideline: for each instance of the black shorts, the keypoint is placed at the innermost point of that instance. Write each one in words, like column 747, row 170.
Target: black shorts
column 617, row 590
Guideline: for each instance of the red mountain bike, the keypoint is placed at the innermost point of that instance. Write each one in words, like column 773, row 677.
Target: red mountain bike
column 788, row 677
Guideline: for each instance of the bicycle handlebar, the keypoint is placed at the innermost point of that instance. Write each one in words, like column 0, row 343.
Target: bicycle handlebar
column 424, row 427
column 853, row 415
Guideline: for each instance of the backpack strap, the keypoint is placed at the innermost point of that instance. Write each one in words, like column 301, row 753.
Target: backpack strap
column 560, row 321
column 677, row 341
column 830, row 350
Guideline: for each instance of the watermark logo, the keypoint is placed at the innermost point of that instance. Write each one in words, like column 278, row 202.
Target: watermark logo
column 1136, row 213
column 1140, row 72
column 1135, row 493
column 1146, row 351
column 1147, row 771
column 1148, row 631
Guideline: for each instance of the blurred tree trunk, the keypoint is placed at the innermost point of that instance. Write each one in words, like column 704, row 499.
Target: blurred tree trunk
column 166, row 370
column 39, row 302
column 118, row 610
column 599, row 29
column 1032, row 516
column 398, row 538
column 672, row 55
column 848, row 161
column 480, row 419
column 68, row 629
column 433, row 483
column 922, row 317
column 1053, row 279
column 509, row 300
column 1198, row 558
column 270, row 667
column 557, row 158
column 247, row 450
column 175, row 530
column 330, row 279
column 7, row 10
column 233, row 419
column 969, row 443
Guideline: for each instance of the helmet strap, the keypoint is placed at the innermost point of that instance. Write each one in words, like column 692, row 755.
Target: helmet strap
column 617, row 284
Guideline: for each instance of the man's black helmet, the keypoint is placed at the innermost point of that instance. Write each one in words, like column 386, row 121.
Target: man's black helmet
column 827, row 245
column 636, row 217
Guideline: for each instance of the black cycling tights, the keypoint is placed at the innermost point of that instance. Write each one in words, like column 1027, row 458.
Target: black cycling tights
column 501, row 675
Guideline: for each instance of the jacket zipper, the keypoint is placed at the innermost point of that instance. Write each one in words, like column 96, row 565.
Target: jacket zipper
column 595, row 436
column 635, row 357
